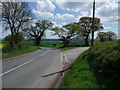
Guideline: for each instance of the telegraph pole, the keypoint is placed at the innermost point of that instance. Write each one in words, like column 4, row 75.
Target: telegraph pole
column 93, row 24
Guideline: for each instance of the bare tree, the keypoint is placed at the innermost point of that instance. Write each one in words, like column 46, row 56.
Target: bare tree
column 15, row 15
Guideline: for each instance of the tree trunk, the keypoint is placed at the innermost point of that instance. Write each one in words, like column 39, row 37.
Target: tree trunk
column 16, row 39
column 37, row 41
column 11, row 41
column 86, row 41
column 66, row 43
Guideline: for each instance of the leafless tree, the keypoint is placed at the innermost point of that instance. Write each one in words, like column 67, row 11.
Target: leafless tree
column 15, row 15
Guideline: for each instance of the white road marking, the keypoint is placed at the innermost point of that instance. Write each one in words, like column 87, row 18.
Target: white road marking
column 19, row 66
column 66, row 58
column 44, row 54
column 16, row 68
column 61, row 57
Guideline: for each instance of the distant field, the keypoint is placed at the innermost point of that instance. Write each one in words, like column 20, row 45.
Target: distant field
column 29, row 43
column 52, row 43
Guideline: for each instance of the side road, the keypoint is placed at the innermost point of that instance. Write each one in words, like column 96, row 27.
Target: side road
column 67, row 58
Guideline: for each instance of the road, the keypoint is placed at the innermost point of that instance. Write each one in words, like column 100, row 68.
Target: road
column 26, row 71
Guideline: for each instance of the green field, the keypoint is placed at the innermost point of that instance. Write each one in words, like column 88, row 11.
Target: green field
column 80, row 76
column 58, row 43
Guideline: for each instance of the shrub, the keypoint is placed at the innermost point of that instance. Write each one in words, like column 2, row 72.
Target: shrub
column 17, row 38
column 8, row 48
column 105, row 61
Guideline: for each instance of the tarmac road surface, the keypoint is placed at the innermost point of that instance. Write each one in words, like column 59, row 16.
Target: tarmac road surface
column 26, row 71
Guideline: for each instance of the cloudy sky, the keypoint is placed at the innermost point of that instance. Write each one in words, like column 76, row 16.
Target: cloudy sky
column 64, row 11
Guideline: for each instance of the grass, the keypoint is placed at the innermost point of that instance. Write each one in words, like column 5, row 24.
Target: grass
column 19, row 52
column 80, row 76
column 51, row 44
column 59, row 44
column 44, row 43
column 73, row 45
column 29, row 43
column 77, row 44
column 67, row 48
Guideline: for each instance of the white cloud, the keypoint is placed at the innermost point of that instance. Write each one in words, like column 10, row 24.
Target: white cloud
column 82, row 0
column 45, row 5
column 114, row 0
column 84, row 13
column 78, row 6
column 55, row 24
column 74, row 6
column 44, row 14
column 64, row 16
column 108, row 12
column 64, row 23
column 43, row 9
column 49, row 35
column 107, row 28
column 78, row 17
column 40, row 14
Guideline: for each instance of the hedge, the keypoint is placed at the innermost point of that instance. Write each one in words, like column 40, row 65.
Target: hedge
column 104, row 59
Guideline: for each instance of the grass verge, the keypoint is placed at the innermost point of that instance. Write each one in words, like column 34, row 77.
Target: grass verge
column 19, row 52
column 80, row 76
column 67, row 48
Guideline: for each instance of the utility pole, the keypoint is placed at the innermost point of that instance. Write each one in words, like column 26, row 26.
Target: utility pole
column 93, row 24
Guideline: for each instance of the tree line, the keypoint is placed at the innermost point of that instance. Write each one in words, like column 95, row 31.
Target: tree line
column 17, row 17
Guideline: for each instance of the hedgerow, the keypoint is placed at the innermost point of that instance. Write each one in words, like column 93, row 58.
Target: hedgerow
column 104, row 59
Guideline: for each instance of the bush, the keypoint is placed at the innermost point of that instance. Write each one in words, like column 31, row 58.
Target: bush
column 105, row 62
column 8, row 48
column 13, row 43
column 17, row 39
